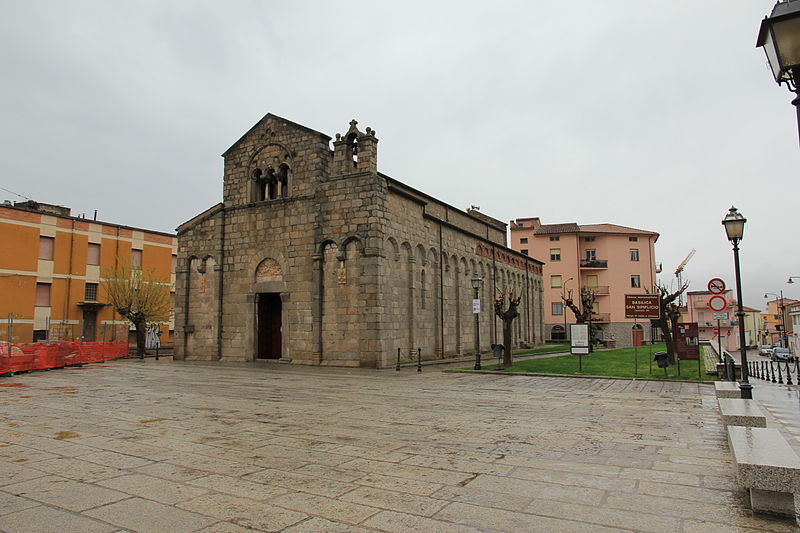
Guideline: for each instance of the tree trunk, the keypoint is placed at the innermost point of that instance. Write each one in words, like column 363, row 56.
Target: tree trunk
column 141, row 336
column 507, row 356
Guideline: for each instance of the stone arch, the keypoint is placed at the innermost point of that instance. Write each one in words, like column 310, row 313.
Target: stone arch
column 422, row 257
column 391, row 248
column 268, row 270
column 409, row 252
column 353, row 240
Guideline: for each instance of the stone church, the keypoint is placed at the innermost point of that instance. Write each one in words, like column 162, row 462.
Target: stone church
column 314, row 257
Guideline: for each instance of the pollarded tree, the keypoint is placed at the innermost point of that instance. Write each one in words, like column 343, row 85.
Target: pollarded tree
column 670, row 315
column 507, row 316
column 139, row 296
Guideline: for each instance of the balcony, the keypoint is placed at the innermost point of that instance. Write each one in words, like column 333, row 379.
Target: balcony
column 601, row 290
column 594, row 263
column 601, row 317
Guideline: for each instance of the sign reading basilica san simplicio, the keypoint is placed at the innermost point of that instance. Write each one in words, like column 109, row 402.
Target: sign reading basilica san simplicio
column 315, row 257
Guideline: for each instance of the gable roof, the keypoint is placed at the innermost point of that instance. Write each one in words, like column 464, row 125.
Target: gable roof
column 286, row 121
column 572, row 227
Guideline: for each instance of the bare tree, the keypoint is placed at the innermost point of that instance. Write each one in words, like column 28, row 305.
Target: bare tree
column 584, row 312
column 507, row 316
column 138, row 296
column 670, row 315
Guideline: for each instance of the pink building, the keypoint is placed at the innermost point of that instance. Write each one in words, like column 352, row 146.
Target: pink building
column 726, row 330
column 611, row 260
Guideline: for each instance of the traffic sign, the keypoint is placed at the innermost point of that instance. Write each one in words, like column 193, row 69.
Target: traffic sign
column 720, row 315
column 717, row 303
column 716, row 331
column 716, row 286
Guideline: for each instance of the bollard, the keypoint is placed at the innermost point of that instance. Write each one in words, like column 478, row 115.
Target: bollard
column 398, row 360
column 771, row 371
column 780, row 377
column 788, row 374
column 419, row 359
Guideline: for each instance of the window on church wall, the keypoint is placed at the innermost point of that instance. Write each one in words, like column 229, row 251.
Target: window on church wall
column 423, row 291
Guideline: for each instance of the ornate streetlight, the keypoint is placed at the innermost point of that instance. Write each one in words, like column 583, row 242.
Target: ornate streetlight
column 734, row 228
column 779, row 35
column 477, row 283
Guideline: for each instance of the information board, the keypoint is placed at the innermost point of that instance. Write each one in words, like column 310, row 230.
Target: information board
column 643, row 306
column 579, row 333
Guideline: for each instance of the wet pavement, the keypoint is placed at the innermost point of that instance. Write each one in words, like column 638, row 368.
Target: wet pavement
column 170, row 446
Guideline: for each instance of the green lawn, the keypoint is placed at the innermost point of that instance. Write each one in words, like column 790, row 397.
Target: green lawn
column 622, row 362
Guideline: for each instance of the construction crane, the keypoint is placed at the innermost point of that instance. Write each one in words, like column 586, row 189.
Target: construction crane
column 678, row 274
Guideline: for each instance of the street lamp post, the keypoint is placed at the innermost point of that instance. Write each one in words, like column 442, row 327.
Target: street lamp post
column 734, row 228
column 783, row 316
column 477, row 283
column 564, row 311
column 778, row 35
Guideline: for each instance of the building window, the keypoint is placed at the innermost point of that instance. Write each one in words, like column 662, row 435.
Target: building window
column 591, row 255
column 553, row 239
column 588, row 239
column 555, row 254
column 42, row 295
column 557, row 308
column 634, row 254
column 635, row 282
column 524, row 251
column 555, row 281
column 136, row 259
column 90, row 292
column 596, row 307
column 46, row 248
column 93, row 254
column 39, row 335
column 633, row 239
column 523, row 240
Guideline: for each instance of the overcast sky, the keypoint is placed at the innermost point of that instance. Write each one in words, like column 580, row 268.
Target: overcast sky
column 652, row 114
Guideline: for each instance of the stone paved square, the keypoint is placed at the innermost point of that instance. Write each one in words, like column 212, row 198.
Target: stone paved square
column 144, row 446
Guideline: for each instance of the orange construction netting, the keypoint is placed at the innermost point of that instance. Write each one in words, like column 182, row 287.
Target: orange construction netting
column 15, row 357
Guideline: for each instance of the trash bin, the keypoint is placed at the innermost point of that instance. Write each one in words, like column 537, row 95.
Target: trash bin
column 661, row 359
column 497, row 350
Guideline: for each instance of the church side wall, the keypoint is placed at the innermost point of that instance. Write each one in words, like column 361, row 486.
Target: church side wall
column 436, row 315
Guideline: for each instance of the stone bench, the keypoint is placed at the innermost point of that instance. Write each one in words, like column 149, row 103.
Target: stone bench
column 741, row 412
column 727, row 389
column 768, row 467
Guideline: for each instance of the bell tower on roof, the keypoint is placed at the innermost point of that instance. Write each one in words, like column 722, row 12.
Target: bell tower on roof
column 355, row 151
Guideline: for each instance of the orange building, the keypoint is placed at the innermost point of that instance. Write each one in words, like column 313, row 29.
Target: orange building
column 50, row 269
column 774, row 319
column 609, row 259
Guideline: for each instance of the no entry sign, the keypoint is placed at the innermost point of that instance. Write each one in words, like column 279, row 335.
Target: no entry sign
column 643, row 306
column 717, row 303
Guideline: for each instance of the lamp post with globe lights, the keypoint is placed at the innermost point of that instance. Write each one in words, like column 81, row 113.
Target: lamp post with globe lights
column 779, row 35
column 734, row 229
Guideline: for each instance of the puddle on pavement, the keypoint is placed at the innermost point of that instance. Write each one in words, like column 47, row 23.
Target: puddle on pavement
column 14, row 385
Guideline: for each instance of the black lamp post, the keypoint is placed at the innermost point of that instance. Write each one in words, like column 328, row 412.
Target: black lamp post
column 779, row 35
column 564, row 311
column 477, row 283
column 783, row 316
column 734, row 228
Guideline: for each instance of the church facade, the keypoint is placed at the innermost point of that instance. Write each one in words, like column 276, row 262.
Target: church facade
column 314, row 257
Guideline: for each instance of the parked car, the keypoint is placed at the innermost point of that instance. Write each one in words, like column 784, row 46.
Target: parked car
column 782, row 354
column 765, row 350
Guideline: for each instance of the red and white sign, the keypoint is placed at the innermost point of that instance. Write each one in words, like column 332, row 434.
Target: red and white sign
column 716, row 332
column 717, row 303
column 716, row 286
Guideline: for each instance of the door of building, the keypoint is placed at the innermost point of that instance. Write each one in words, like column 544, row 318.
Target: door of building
column 638, row 335
column 89, row 329
column 269, row 326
